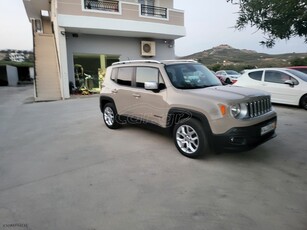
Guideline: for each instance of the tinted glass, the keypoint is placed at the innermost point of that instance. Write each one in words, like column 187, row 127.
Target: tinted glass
column 277, row 77
column 232, row 72
column 299, row 74
column 304, row 70
column 257, row 75
column 191, row 76
column 145, row 74
column 114, row 74
column 124, row 76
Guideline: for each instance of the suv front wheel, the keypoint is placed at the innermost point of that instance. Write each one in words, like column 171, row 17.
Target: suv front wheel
column 110, row 116
column 190, row 139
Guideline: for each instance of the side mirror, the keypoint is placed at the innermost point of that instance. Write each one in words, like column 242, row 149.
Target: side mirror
column 289, row 82
column 151, row 85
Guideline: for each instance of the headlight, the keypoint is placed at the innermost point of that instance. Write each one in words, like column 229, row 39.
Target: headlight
column 239, row 111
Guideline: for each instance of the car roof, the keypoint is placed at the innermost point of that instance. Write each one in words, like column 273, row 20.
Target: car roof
column 261, row 69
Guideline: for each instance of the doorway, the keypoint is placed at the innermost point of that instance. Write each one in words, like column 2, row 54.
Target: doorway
column 89, row 71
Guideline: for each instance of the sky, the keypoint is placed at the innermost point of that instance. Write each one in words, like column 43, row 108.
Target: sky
column 208, row 23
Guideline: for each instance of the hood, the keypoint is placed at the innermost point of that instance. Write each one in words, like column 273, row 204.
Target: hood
column 228, row 92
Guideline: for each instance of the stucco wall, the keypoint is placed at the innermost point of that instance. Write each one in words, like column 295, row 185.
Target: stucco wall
column 125, row 48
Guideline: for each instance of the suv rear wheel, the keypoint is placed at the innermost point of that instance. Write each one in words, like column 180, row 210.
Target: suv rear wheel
column 109, row 116
column 190, row 139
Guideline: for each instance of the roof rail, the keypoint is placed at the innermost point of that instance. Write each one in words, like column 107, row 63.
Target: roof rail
column 136, row 61
column 178, row 60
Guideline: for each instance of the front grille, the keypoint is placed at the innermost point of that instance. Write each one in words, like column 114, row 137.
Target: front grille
column 259, row 107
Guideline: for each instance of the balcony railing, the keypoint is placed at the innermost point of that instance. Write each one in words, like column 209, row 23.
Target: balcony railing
column 113, row 6
column 153, row 11
column 105, row 5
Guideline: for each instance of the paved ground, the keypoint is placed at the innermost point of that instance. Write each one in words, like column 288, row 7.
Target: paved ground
column 62, row 169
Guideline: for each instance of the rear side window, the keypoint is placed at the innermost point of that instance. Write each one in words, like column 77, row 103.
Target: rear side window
column 114, row 74
column 257, row 75
column 124, row 76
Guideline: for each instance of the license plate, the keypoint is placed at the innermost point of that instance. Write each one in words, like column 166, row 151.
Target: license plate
column 268, row 128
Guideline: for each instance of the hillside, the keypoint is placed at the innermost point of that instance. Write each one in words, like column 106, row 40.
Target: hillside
column 227, row 55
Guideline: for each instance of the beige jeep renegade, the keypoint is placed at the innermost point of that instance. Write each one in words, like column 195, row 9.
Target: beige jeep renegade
column 185, row 97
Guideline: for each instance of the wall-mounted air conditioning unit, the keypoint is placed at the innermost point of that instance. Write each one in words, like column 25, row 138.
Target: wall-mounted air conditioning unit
column 148, row 48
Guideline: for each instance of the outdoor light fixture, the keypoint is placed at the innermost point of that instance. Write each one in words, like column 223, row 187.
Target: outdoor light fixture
column 44, row 13
column 170, row 43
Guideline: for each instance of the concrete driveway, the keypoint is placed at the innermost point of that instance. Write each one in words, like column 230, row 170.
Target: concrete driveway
column 62, row 169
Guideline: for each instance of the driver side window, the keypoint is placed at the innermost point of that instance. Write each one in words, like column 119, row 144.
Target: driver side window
column 278, row 77
column 148, row 74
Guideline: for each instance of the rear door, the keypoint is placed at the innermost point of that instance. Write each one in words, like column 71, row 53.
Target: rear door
column 123, row 90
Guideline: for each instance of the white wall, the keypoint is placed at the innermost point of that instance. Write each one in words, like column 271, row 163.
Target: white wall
column 125, row 48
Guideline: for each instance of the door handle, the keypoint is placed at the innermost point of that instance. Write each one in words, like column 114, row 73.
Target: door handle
column 136, row 95
column 114, row 90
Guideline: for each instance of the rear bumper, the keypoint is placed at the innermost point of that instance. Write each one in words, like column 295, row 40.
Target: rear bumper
column 244, row 138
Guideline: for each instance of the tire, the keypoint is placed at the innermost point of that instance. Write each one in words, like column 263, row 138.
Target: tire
column 110, row 116
column 303, row 102
column 190, row 138
column 227, row 81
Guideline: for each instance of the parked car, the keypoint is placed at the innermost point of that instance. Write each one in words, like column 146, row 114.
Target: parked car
column 227, row 76
column 286, row 86
column 187, row 99
column 299, row 68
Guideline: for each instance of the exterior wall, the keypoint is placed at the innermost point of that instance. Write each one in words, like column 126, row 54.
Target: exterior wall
column 128, row 11
column 60, row 42
column 12, row 75
column 125, row 48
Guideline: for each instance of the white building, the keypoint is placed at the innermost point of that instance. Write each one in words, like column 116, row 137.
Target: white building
column 75, row 40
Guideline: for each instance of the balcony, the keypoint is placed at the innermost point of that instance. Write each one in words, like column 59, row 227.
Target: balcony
column 113, row 6
column 153, row 11
column 102, row 5
column 120, row 18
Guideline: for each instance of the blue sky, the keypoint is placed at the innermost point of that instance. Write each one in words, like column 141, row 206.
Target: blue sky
column 209, row 23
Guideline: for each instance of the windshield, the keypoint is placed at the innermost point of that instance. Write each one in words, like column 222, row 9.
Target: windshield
column 191, row 76
column 232, row 72
column 298, row 74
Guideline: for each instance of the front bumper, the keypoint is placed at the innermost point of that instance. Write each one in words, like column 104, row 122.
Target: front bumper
column 245, row 138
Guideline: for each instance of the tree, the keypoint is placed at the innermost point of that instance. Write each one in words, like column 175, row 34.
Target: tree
column 299, row 62
column 278, row 19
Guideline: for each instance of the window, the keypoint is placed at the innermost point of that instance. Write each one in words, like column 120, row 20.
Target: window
column 114, row 74
column 257, row 75
column 147, row 7
column 191, row 76
column 145, row 74
column 147, row 2
column 124, row 76
column 276, row 77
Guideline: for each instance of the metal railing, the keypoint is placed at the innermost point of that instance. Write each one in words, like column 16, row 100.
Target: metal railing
column 105, row 5
column 153, row 11
column 113, row 6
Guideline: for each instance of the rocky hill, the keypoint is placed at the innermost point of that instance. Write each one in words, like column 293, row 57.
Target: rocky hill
column 227, row 55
